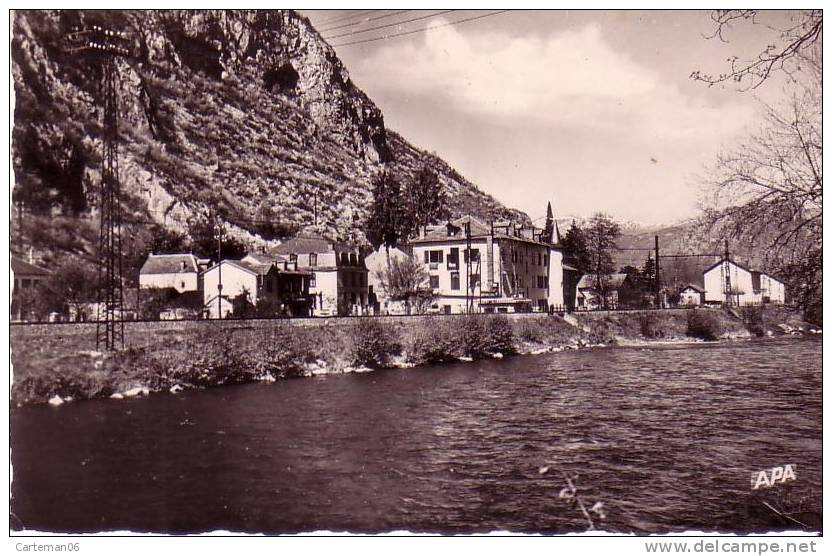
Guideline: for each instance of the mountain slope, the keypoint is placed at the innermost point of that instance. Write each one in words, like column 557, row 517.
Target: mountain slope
column 250, row 113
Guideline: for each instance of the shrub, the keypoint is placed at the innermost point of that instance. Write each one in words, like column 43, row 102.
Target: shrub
column 650, row 326
column 373, row 343
column 704, row 324
column 434, row 341
column 754, row 319
column 500, row 335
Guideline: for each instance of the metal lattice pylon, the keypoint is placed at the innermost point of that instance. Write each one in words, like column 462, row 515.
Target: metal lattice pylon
column 110, row 324
column 105, row 46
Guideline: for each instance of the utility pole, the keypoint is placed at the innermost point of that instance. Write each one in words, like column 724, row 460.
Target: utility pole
column 219, row 267
column 658, row 281
column 469, row 301
column 726, row 266
column 105, row 46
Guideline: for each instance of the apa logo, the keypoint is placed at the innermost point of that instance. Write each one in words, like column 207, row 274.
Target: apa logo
column 770, row 477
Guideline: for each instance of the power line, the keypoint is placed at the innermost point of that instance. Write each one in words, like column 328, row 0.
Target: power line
column 350, row 14
column 365, row 20
column 423, row 30
column 420, row 18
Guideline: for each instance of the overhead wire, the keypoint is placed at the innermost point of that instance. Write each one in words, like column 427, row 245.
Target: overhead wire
column 350, row 14
column 422, row 30
column 365, row 20
column 387, row 25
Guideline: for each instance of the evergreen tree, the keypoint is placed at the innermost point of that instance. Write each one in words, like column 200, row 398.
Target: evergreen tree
column 648, row 271
column 387, row 220
column 575, row 250
column 425, row 201
column 549, row 229
column 601, row 234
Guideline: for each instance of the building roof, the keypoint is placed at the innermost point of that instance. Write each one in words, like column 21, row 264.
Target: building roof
column 170, row 263
column 304, row 245
column 263, row 258
column 260, row 269
column 694, row 287
column 22, row 268
column 721, row 261
column 454, row 230
column 236, row 264
column 613, row 280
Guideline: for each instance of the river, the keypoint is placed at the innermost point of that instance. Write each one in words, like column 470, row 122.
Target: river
column 666, row 439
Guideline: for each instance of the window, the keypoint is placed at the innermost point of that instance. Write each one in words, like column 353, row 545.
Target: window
column 313, row 259
column 454, row 280
column 541, row 282
column 435, row 256
column 545, row 260
column 540, row 259
column 312, row 282
column 475, row 255
column 453, row 258
column 182, row 284
column 293, row 257
column 434, row 282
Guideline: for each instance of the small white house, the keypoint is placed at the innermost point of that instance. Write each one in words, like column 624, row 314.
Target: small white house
column 740, row 285
column 237, row 279
column 180, row 271
column 691, row 296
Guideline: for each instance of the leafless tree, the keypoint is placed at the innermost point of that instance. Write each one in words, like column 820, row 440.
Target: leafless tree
column 405, row 279
column 767, row 193
column 797, row 49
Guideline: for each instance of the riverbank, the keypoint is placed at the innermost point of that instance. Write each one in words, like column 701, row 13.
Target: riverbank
column 57, row 363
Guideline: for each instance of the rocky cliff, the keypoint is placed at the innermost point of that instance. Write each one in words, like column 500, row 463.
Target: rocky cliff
column 248, row 112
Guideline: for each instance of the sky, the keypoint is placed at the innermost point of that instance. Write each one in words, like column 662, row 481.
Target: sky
column 591, row 110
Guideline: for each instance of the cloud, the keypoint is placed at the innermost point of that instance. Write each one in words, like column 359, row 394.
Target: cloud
column 572, row 78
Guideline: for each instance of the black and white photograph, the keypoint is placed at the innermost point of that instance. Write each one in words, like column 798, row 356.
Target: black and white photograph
column 386, row 270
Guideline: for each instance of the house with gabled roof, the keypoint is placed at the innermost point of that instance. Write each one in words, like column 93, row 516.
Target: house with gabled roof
column 729, row 281
column 609, row 291
column 27, row 279
column 179, row 271
column 691, row 295
column 500, row 267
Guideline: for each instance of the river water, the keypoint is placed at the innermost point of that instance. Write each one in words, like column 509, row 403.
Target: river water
column 666, row 439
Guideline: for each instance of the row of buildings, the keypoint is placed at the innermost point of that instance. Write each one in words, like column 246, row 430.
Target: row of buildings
column 301, row 277
column 500, row 267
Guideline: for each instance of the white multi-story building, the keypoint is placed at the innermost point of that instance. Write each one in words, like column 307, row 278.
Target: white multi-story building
column 747, row 286
column 509, row 268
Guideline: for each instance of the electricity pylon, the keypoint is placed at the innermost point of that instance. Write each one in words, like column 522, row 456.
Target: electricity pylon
column 105, row 47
